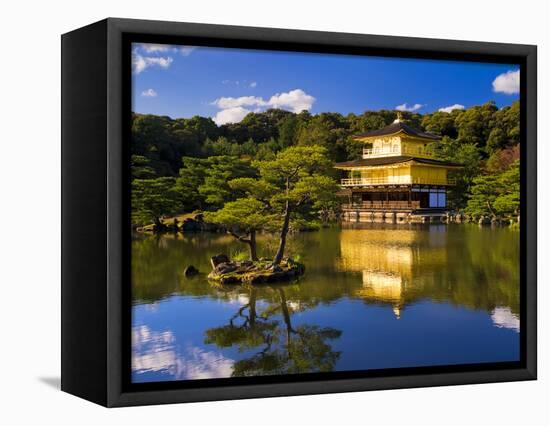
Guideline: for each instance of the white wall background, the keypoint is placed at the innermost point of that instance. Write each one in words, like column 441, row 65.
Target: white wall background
column 30, row 211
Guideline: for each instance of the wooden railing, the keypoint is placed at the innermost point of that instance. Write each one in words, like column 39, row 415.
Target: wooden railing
column 396, row 180
column 397, row 150
column 382, row 205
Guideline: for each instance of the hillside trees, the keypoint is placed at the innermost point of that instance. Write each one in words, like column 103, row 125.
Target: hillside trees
column 496, row 194
column 153, row 198
column 203, row 182
column 204, row 158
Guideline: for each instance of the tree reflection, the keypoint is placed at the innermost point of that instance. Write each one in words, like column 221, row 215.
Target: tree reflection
column 392, row 265
column 245, row 329
column 282, row 348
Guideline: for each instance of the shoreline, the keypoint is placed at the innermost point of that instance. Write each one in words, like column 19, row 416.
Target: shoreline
column 190, row 225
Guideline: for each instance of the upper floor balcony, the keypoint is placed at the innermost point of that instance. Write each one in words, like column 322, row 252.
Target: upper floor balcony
column 396, row 150
column 397, row 180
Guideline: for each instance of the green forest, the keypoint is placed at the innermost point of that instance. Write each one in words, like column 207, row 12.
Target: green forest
column 275, row 162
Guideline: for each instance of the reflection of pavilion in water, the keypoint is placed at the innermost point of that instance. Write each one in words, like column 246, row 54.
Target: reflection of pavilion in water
column 390, row 260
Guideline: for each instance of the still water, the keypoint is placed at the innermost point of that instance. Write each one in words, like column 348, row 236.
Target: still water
column 374, row 296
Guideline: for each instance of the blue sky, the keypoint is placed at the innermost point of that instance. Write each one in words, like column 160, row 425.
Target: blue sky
column 226, row 84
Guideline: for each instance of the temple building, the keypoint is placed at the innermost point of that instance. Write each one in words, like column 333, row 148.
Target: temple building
column 397, row 179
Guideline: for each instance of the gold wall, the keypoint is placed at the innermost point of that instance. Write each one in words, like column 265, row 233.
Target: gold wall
column 421, row 173
column 404, row 174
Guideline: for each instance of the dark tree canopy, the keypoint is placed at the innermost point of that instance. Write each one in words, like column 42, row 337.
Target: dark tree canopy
column 154, row 198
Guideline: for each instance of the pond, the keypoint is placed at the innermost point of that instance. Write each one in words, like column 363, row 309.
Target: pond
column 373, row 296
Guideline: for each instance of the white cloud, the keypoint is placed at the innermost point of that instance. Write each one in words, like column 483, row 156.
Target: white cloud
column 451, row 108
column 154, row 48
column 163, row 48
column 224, row 103
column 141, row 63
column 253, row 84
column 161, row 62
column 230, row 115
column 507, row 83
column 233, row 111
column 296, row 100
column 409, row 108
column 147, row 55
column 149, row 93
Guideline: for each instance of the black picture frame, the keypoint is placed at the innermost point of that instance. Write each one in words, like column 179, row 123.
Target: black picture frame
column 95, row 211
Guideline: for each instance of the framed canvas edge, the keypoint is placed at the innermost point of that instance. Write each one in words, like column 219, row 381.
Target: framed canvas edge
column 529, row 128
column 116, row 27
column 154, row 397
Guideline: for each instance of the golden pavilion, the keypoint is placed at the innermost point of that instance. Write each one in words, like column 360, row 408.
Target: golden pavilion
column 397, row 179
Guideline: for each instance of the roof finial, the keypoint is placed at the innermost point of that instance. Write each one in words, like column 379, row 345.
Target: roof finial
column 399, row 118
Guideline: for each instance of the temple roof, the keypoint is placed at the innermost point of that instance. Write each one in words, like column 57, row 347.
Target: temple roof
column 383, row 161
column 396, row 127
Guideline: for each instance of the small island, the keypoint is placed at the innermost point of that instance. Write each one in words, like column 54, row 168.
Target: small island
column 225, row 271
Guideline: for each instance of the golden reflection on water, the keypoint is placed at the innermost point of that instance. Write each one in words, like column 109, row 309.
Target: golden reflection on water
column 388, row 260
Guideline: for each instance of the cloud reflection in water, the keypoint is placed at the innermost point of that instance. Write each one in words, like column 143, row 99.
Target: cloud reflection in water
column 155, row 351
column 503, row 317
